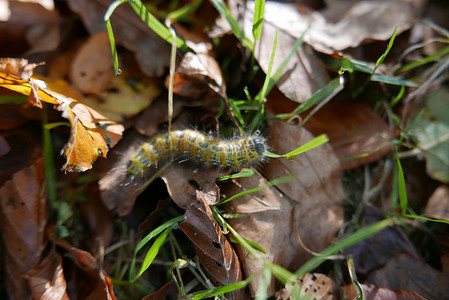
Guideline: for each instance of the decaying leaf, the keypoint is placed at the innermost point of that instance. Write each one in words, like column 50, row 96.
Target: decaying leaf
column 373, row 292
column 342, row 24
column 95, row 281
column 23, row 218
column 92, row 68
column 374, row 252
column 156, row 115
column 183, row 182
column 357, row 134
column 15, row 75
column 92, row 134
column 197, row 72
column 46, row 280
column 37, row 23
column 151, row 52
column 312, row 286
column 122, row 99
column 211, row 246
column 407, row 272
column 438, row 205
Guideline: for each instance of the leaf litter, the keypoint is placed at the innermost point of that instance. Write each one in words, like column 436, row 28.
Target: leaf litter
column 291, row 221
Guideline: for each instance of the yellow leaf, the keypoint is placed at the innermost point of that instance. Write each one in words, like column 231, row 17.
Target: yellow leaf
column 92, row 133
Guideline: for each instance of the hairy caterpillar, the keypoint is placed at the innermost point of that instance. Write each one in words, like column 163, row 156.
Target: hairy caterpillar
column 188, row 143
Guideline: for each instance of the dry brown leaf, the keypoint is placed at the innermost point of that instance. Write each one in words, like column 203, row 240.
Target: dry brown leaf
column 99, row 220
column 373, row 292
column 342, row 24
column 199, row 70
column 151, row 52
column 183, row 182
column 168, row 291
column 26, row 149
column 4, row 146
column 313, row 286
column 438, row 205
column 155, row 115
column 23, row 218
column 15, row 75
column 304, row 73
column 311, row 205
column 374, row 252
column 93, row 282
column 10, row 115
column 46, row 280
column 211, row 246
column 407, row 272
column 92, row 69
column 33, row 22
column 354, row 130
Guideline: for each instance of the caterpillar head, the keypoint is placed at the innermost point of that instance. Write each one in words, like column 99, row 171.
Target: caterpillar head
column 260, row 144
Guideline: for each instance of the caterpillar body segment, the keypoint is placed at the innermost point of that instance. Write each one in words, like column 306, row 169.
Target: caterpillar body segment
column 189, row 143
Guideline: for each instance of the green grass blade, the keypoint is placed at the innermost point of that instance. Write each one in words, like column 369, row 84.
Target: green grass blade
column 259, row 7
column 107, row 20
column 264, row 284
column 401, row 185
column 398, row 97
column 223, row 10
column 182, row 12
column 235, row 109
column 425, row 219
column 393, row 80
column 356, row 237
column 155, row 25
column 13, row 99
column 316, row 142
column 332, row 88
column 350, row 65
column 390, row 45
column 50, row 167
column 280, row 70
column 222, row 289
column 425, row 60
column 245, row 172
column 251, row 243
column 253, row 252
column 152, row 252
column 150, row 236
column 273, row 182
column 281, row 274
column 264, row 91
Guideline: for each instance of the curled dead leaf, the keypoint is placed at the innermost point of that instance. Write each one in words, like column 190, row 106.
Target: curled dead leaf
column 211, row 246
column 23, row 218
column 91, row 135
column 15, row 75
column 47, row 280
